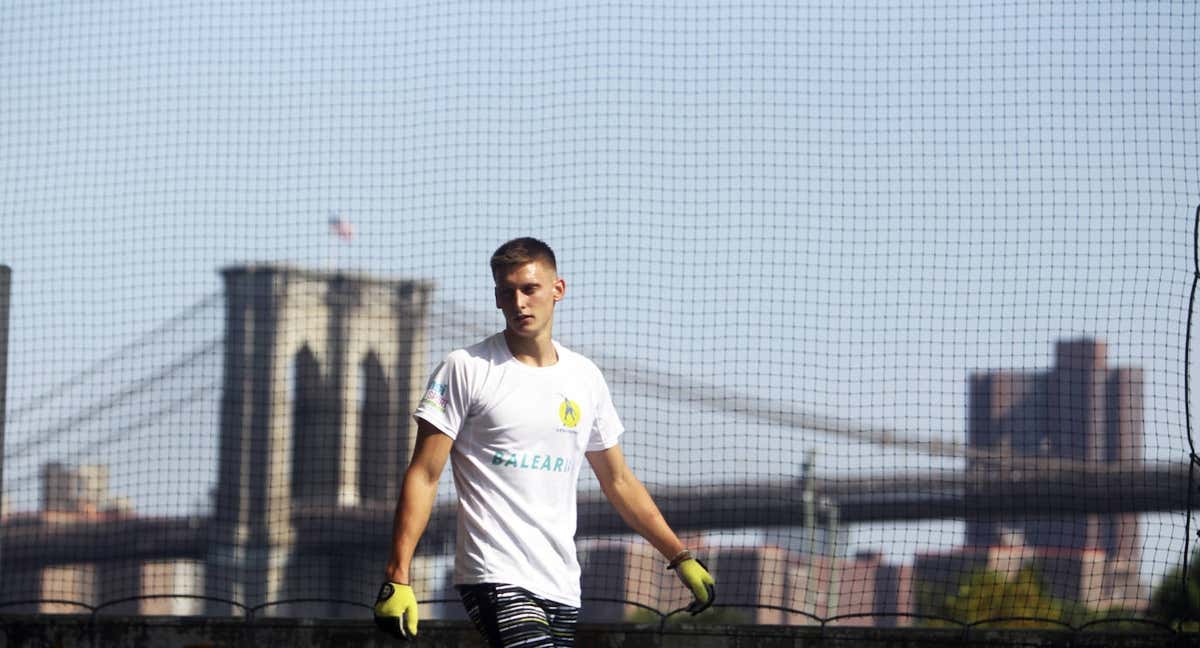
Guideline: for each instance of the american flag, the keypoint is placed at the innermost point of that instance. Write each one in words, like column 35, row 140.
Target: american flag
column 341, row 228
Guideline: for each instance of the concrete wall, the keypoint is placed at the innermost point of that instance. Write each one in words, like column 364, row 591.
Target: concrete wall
column 68, row 631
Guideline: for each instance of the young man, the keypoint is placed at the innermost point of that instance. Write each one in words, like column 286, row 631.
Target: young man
column 516, row 413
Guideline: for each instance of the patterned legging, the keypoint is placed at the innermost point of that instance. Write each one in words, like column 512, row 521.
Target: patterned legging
column 511, row 617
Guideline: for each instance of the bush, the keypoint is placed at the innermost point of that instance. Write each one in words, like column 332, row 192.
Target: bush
column 1177, row 601
column 715, row 615
column 1018, row 602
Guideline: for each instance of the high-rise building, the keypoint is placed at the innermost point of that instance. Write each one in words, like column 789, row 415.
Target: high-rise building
column 1080, row 411
column 757, row 584
column 77, row 489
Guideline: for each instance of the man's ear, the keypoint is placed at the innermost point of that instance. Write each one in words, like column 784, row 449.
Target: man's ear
column 560, row 289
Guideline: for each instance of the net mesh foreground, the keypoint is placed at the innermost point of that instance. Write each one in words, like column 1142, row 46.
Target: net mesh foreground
column 893, row 300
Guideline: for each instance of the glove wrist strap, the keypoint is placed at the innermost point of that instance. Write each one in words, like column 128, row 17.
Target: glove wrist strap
column 679, row 558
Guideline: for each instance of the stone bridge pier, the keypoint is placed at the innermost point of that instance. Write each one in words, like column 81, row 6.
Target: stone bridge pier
column 321, row 373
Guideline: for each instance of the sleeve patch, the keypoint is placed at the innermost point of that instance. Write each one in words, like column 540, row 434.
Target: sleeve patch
column 435, row 395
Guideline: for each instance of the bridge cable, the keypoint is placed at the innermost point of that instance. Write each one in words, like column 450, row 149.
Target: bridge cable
column 719, row 398
column 104, row 365
column 51, row 434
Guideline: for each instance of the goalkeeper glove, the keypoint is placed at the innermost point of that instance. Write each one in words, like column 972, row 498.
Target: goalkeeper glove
column 396, row 610
column 696, row 578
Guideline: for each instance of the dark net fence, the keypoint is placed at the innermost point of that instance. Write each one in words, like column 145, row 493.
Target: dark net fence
column 893, row 300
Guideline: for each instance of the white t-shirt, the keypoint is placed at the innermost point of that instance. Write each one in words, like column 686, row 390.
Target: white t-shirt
column 520, row 433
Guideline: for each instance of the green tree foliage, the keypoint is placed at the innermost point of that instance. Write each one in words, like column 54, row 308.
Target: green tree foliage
column 1177, row 601
column 1017, row 601
column 712, row 616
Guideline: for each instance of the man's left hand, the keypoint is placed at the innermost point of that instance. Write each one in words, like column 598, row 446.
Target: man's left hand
column 697, row 579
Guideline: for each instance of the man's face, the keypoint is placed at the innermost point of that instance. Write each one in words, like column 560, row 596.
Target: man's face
column 526, row 295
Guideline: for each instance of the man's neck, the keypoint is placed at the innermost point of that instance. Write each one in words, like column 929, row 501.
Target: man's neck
column 536, row 352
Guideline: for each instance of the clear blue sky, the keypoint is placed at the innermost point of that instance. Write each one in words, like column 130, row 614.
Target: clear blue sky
column 845, row 207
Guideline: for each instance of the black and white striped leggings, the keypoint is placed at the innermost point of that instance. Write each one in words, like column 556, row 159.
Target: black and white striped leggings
column 512, row 617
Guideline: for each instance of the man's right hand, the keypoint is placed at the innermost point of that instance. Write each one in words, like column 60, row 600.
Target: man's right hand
column 396, row 610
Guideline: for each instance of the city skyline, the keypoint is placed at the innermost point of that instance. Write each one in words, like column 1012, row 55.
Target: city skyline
column 921, row 536
column 315, row 469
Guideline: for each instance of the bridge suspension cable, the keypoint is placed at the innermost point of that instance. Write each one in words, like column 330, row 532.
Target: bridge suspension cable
column 762, row 410
column 103, row 365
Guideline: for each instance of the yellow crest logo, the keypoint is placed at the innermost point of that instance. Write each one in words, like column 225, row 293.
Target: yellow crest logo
column 568, row 412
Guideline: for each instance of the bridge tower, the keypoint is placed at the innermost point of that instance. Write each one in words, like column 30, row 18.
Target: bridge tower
column 321, row 372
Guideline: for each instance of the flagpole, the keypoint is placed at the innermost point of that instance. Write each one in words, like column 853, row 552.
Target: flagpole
column 330, row 242
column 342, row 230
column 5, row 295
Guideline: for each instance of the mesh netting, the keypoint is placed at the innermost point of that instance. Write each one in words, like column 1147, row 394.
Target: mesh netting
column 892, row 300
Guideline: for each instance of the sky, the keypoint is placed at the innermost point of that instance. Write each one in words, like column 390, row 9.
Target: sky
column 836, row 208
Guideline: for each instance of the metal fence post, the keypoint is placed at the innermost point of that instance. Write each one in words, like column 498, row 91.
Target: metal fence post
column 5, row 286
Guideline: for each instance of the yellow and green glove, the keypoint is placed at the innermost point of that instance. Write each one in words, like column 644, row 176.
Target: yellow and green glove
column 696, row 578
column 396, row 610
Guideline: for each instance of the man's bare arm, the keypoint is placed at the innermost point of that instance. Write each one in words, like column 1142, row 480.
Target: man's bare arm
column 416, row 498
column 632, row 501
column 639, row 511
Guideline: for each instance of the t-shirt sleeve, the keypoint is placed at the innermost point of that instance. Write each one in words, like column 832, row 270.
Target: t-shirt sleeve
column 447, row 396
column 607, row 427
